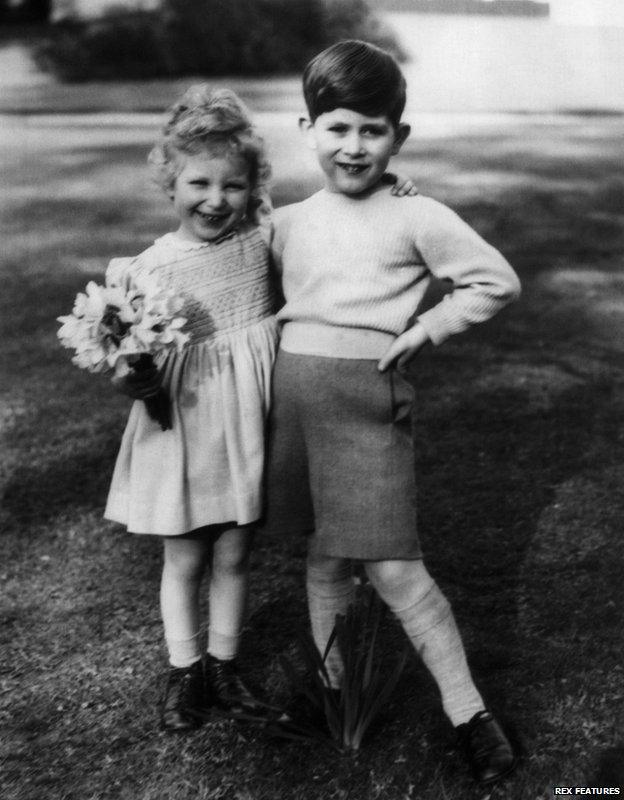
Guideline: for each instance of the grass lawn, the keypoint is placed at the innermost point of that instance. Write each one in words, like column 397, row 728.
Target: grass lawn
column 520, row 462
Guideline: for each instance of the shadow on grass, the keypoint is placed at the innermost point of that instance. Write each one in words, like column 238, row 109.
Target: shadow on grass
column 491, row 467
column 610, row 770
column 38, row 493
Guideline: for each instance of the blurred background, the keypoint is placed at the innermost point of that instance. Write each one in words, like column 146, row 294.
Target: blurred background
column 459, row 55
column 466, row 61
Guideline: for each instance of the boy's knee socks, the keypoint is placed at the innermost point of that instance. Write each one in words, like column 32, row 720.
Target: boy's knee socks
column 431, row 627
column 427, row 619
column 330, row 592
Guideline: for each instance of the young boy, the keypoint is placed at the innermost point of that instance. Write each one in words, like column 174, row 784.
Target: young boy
column 355, row 264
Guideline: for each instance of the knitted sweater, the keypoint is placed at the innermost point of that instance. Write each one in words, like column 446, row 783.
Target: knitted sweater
column 356, row 268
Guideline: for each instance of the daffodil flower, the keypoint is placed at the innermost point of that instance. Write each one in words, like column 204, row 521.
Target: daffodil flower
column 112, row 322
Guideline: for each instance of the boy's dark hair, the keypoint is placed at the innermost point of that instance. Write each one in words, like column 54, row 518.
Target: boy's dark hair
column 354, row 75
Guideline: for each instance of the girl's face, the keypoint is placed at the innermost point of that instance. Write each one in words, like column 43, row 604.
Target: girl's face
column 210, row 195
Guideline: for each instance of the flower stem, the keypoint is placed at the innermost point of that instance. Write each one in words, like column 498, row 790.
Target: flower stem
column 159, row 409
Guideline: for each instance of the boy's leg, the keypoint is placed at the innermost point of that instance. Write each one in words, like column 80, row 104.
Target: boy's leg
column 426, row 617
column 330, row 591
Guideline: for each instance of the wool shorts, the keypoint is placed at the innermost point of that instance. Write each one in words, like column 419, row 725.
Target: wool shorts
column 341, row 460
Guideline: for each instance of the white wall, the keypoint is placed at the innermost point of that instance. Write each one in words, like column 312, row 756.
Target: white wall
column 483, row 63
column 587, row 12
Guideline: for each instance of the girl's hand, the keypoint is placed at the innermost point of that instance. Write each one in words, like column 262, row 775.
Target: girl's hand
column 404, row 348
column 402, row 186
column 135, row 383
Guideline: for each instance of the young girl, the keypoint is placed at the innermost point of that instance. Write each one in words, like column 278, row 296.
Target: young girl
column 198, row 485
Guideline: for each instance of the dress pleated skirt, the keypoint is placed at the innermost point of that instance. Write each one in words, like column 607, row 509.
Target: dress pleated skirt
column 208, row 469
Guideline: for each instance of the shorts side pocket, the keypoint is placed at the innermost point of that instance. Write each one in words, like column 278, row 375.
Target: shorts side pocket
column 402, row 398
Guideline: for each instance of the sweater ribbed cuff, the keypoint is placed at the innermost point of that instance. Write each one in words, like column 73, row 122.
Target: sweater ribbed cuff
column 435, row 324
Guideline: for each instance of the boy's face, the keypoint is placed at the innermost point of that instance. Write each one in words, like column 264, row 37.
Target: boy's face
column 353, row 149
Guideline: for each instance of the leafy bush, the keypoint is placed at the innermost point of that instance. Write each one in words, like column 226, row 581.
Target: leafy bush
column 207, row 37
column 128, row 46
column 248, row 36
column 352, row 19
column 26, row 11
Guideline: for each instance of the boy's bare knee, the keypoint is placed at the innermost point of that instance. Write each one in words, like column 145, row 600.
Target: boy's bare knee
column 396, row 580
column 395, row 571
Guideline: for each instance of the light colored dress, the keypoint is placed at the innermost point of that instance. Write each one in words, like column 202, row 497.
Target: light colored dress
column 208, row 468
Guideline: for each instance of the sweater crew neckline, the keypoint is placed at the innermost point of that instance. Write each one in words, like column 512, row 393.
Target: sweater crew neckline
column 362, row 197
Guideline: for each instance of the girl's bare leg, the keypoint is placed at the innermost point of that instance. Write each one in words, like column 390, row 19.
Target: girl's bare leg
column 185, row 560
column 228, row 600
column 228, row 591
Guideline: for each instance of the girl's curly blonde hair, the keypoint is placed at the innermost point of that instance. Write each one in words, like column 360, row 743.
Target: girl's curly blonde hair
column 215, row 120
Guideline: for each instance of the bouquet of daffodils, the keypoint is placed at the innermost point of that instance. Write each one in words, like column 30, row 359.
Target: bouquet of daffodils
column 114, row 328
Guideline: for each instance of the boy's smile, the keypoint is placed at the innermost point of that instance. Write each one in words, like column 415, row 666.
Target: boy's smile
column 210, row 195
column 353, row 149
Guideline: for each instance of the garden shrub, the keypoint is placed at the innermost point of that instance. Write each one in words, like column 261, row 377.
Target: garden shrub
column 116, row 47
column 207, row 37
column 25, row 11
column 352, row 19
column 248, row 36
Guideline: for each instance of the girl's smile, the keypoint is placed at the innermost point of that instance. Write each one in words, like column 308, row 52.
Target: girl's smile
column 210, row 195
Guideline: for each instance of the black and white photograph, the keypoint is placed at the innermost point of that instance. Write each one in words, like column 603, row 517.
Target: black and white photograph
column 312, row 400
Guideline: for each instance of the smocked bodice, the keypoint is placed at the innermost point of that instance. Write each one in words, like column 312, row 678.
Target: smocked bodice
column 225, row 284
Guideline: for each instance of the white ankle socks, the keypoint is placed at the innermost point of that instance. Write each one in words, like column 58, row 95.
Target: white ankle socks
column 222, row 645
column 184, row 652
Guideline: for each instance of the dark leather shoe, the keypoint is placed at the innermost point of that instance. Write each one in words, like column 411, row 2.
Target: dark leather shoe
column 487, row 749
column 226, row 690
column 183, row 698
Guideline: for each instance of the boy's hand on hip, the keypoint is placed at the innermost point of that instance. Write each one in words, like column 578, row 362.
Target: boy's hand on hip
column 404, row 348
